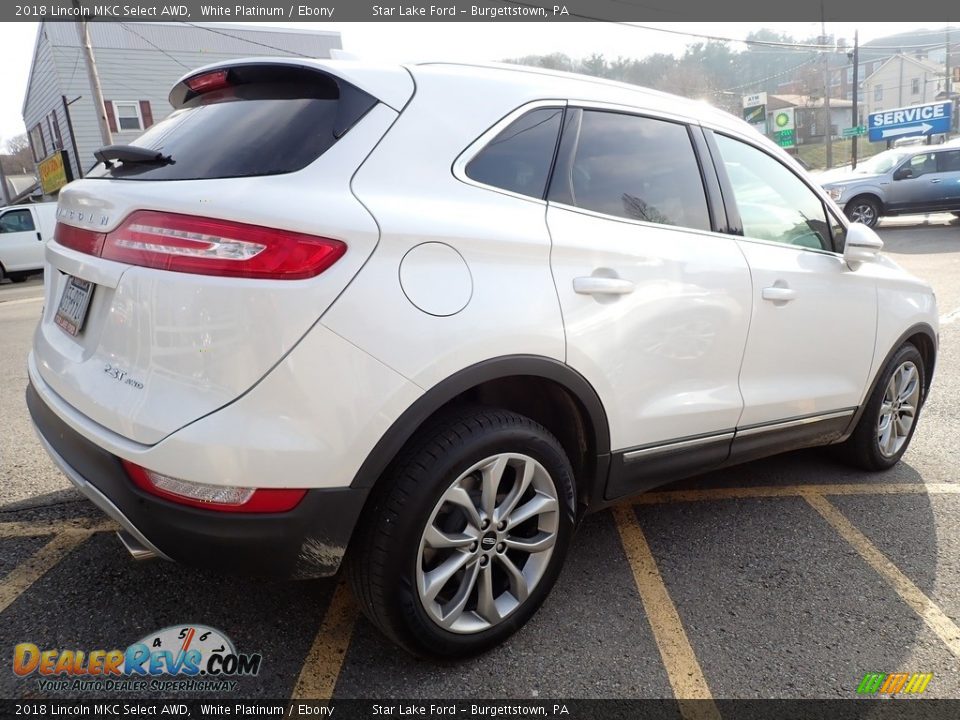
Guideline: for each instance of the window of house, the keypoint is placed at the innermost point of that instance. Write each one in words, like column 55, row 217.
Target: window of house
column 36, row 143
column 633, row 167
column 915, row 86
column 128, row 115
column 774, row 204
column 54, row 126
column 518, row 159
column 878, row 93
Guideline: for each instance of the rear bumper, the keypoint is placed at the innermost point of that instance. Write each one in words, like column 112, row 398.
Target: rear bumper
column 308, row 541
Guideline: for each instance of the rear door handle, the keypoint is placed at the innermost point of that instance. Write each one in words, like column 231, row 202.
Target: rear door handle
column 602, row 286
column 39, row 238
column 935, row 180
column 778, row 294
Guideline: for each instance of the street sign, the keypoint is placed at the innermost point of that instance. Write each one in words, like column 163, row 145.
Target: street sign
column 783, row 120
column 926, row 119
column 785, row 138
column 755, row 111
column 854, row 131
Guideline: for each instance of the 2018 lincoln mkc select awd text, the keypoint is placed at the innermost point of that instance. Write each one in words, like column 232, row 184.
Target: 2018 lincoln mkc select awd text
column 427, row 317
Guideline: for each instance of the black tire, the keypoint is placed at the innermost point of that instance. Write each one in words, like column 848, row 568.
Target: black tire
column 385, row 555
column 18, row 277
column 2, row 274
column 865, row 209
column 862, row 449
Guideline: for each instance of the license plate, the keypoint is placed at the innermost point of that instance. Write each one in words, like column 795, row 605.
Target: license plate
column 74, row 304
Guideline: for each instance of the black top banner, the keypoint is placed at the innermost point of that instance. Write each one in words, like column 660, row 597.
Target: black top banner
column 617, row 11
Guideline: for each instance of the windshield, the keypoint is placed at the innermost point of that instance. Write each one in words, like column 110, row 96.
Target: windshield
column 879, row 164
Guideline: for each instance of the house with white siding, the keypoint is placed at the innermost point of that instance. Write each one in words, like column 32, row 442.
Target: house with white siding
column 137, row 64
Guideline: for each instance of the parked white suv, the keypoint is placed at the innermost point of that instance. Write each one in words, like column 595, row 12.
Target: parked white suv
column 431, row 316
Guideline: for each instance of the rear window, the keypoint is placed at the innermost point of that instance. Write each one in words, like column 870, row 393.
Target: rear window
column 518, row 159
column 267, row 121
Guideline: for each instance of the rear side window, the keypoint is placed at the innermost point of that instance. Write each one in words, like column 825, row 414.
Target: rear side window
column 519, row 158
column 634, row 167
column 262, row 121
column 948, row 161
column 16, row 221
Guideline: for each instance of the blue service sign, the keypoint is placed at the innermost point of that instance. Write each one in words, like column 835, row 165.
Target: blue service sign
column 927, row 119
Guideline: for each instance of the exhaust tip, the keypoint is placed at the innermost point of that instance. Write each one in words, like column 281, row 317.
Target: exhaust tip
column 136, row 549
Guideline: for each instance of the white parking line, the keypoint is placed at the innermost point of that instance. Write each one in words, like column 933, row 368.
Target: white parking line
column 22, row 301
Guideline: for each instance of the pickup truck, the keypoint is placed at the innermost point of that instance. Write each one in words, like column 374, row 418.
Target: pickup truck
column 24, row 231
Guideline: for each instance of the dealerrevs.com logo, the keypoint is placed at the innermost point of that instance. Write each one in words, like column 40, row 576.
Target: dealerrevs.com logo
column 192, row 658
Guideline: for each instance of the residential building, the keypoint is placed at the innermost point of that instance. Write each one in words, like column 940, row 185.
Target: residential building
column 137, row 64
column 902, row 81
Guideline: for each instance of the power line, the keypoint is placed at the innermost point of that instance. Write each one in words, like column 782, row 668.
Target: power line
column 246, row 40
column 770, row 77
column 156, row 47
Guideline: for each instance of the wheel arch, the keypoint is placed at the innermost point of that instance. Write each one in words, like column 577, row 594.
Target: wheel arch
column 871, row 195
column 924, row 338
column 546, row 390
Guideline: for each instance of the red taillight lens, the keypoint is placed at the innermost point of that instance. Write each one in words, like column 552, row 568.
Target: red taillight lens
column 208, row 82
column 205, row 246
column 223, row 498
column 85, row 241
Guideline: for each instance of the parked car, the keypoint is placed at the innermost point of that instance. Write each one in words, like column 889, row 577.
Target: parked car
column 24, row 231
column 432, row 331
column 901, row 181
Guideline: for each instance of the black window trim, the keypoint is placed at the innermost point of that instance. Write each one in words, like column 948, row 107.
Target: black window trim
column 729, row 201
column 715, row 210
column 459, row 166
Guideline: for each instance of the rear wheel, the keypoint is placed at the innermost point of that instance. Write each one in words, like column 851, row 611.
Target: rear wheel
column 886, row 426
column 466, row 538
column 863, row 209
column 17, row 277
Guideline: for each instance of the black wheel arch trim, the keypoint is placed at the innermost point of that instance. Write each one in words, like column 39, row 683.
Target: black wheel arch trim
column 917, row 329
column 448, row 389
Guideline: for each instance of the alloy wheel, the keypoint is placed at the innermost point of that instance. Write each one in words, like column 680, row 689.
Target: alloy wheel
column 487, row 543
column 864, row 213
column 898, row 410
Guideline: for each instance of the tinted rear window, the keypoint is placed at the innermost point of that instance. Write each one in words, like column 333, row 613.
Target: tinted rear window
column 518, row 159
column 279, row 123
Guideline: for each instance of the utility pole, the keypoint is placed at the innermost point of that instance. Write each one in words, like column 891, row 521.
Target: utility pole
column 947, row 70
column 856, row 88
column 83, row 31
column 826, row 87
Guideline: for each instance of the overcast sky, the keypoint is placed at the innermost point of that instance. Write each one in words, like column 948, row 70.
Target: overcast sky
column 458, row 41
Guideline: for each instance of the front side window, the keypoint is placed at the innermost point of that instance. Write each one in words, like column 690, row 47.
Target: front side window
column 16, row 221
column 634, row 167
column 128, row 116
column 518, row 159
column 922, row 164
column 774, row 203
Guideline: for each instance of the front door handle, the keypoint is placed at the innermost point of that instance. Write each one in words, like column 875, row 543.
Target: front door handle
column 602, row 286
column 39, row 238
column 778, row 294
column 935, row 180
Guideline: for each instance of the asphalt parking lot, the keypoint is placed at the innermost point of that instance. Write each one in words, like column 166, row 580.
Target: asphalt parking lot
column 790, row 577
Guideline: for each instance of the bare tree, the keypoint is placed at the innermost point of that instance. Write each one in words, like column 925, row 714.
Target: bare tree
column 18, row 158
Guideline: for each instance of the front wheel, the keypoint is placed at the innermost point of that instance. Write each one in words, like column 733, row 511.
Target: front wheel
column 864, row 210
column 464, row 541
column 889, row 419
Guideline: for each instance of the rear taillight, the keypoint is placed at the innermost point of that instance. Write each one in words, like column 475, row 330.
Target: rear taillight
column 208, row 82
column 223, row 498
column 205, row 246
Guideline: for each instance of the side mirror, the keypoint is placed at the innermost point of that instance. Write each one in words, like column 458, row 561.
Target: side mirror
column 862, row 245
column 903, row 173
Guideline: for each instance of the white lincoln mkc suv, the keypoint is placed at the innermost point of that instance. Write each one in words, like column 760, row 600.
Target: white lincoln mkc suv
column 425, row 318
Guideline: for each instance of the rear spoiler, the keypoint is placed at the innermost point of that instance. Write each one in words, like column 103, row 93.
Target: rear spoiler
column 390, row 84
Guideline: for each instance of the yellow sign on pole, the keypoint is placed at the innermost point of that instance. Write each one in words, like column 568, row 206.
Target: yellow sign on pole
column 54, row 172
